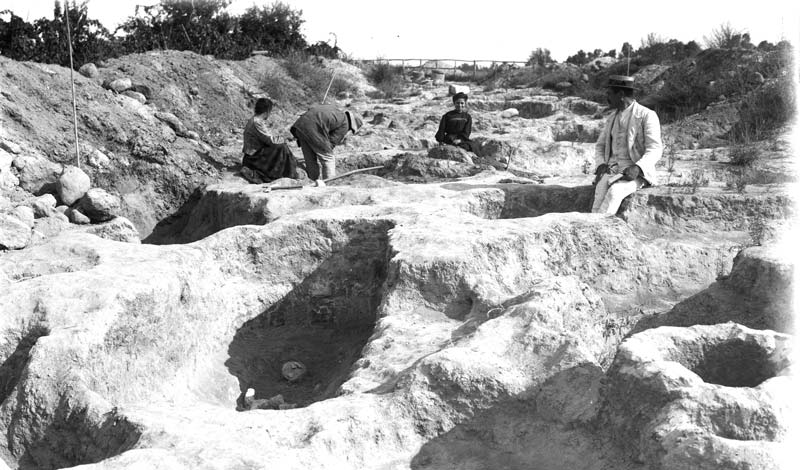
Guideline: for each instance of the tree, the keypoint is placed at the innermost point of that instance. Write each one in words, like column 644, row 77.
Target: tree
column 579, row 58
column 275, row 28
column 726, row 36
column 540, row 56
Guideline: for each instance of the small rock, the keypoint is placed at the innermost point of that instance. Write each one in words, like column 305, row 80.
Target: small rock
column 62, row 209
column 584, row 78
column 118, row 85
column 563, row 86
column 99, row 205
column 293, row 371
column 450, row 152
column 509, row 113
column 88, row 70
column 7, row 178
column 72, row 185
column 77, row 217
column 10, row 147
column 173, row 122
column 118, row 229
column 97, row 159
column 379, row 118
column 192, row 135
column 135, row 95
column 758, row 78
column 14, row 233
column 44, row 205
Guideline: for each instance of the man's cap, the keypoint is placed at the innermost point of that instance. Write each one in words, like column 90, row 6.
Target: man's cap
column 354, row 120
column 620, row 81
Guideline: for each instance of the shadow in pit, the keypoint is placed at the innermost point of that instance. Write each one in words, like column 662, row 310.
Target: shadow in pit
column 75, row 434
column 78, row 436
column 323, row 323
column 14, row 365
column 533, row 200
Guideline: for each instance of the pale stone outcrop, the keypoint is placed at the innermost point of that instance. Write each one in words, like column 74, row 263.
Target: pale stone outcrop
column 712, row 397
column 7, row 178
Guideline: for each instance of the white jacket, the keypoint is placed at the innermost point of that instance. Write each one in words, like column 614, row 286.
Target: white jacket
column 644, row 141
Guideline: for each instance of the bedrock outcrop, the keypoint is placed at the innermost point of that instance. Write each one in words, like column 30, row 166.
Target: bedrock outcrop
column 706, row 396
column 415, row 308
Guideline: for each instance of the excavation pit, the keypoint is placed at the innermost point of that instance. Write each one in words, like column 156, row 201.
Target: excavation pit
column 323, row 324
column 735, row 363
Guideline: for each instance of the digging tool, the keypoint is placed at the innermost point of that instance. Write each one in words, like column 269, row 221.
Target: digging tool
column 329, row 87
column 267, row 188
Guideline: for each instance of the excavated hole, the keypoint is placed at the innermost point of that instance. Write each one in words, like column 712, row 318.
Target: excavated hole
column 735, row 363
column 323, row 323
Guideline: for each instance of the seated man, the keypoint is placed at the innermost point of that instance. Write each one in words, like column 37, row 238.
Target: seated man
column 456, row 125
column 266, row 157
column 628, row 147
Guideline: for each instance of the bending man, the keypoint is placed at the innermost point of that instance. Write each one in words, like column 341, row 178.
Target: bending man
column 628, row 147
column 318, row 131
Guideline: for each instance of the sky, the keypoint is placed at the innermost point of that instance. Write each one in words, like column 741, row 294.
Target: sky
column 497, row 30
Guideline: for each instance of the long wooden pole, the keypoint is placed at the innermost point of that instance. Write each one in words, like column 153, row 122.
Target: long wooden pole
column 72, row 81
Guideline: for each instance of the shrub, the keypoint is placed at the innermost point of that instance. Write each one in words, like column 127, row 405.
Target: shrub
column 387, row 78
column 313, row 76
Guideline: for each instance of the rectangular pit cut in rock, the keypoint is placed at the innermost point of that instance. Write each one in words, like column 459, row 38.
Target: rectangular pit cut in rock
column 322, row 324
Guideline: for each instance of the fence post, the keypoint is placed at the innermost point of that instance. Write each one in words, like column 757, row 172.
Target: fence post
column 474, row 70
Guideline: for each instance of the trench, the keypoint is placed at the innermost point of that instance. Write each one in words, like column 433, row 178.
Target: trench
column 322, row 324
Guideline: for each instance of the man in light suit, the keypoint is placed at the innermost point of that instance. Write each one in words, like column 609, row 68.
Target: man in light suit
column 628, row 147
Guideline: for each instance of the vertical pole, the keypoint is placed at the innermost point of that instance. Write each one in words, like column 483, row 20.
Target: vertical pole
column 72, row 81
column 474, row 70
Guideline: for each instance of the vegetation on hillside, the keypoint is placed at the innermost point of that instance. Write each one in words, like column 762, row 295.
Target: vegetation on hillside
column 201, row 26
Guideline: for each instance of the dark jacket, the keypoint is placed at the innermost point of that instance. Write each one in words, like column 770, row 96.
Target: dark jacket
column 454, row 125
column 257, row 135
column 322, row 127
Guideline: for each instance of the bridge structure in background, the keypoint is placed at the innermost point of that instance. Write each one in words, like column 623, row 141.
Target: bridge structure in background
column 466, row 66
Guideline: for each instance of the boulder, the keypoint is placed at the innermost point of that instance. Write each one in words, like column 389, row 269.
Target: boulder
column 14, row 233
column 118, row 85
column 453, row 89
column 7, row 178
column 89, row 70
column 44, row 205
column 37, row 174
column 451, row 153
column 72, row 185
column 99, row 205
column 509, row 113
